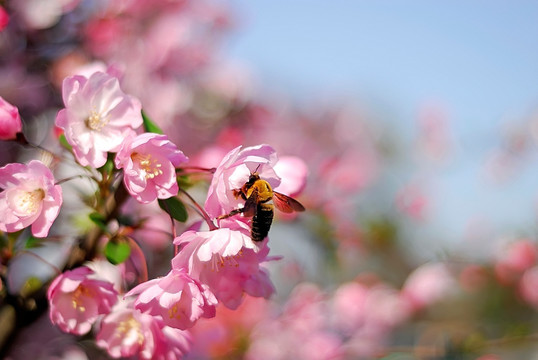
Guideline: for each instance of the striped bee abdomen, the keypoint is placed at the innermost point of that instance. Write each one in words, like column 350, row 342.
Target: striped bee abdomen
column 261, row 222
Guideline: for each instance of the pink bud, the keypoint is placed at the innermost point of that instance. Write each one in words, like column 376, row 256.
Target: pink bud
column 4, row 19
column 10, row 121
column 77, row 298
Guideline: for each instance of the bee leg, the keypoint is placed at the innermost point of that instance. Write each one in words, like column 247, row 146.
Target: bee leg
column 231, row 213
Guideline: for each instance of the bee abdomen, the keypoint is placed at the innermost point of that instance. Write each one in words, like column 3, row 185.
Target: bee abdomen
column 261, row 222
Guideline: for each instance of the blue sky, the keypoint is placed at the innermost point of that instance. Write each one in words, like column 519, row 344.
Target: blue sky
column 478, row 59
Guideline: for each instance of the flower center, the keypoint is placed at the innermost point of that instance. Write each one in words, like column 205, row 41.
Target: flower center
column 173, row 312
column 130, row 328
column 95, row 121
column 28, row 201
column 149, row 165
column 218, row 261
column 79, row 296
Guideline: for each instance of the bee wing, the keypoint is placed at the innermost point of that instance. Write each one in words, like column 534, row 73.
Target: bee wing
column 285, row 203
column 251, row 204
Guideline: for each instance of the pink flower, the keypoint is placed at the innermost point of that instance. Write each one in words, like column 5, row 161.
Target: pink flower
column 176, row 343
column 514, row 259
column 293, row 171
column 302, row 331
column 128, row 332
column 4, row 18
column 227, row 261
column 77, row 297
column 528, row 286
column 98, row 116
column 234, row 171
column 10, row 121
column 149, row 164
column 178, row 298
column 349, row 306
column 427, row 284
column 30, row 197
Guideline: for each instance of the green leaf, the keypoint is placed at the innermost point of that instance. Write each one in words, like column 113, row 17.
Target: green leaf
column 149, row 125
column 30, row 286
column 32, row 242
column 117, row 251
column 184, row 181
column 108, row 168
column 99, row 220
column 175, row 208
column 63, row 141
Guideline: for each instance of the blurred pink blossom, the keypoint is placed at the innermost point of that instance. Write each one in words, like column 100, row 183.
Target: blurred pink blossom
column 233, row 172
column 177, row 297
column 155, row 229
column 98, row 116
column 302, row 331
column 427, row 284
column 412, row 200
column 149, row 164
column 37, row 14
column 10, row 120
column 4, row 18
column 348, row 304
column 514, row 259
column 175, row 345
column 293, row 171
column 29, row 197
column 350, row 171
column 77, row 297
column 227, row 261
column 223, row 335
column 528, row 286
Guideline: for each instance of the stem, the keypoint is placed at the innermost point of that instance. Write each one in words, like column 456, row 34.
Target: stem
column 59, row 182
column 201, row 210
column 197, row 168
column 54, row 267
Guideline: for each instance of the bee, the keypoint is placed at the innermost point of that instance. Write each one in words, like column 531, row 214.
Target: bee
column 257, row 193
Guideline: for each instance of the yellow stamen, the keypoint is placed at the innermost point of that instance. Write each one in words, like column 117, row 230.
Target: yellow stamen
column 173, row 312
column 149, row 165
column 95, row 121
column 78, row 295
column 29, row 202
column 127, row 326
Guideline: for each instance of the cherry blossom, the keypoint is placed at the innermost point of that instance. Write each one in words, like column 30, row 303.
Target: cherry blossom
column 4, row 18
column 30, row 197
column 427, row 284
column 148, row 162
column 127, row 331
column 292, row 171
column 10, row 120
column 227, row 261
column 98, row 116
column 77, row 297
column 177, row 297
column 514, row 259
column 234, row 171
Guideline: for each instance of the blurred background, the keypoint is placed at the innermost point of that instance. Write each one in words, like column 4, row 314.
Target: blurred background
column 461, row 73
column 417, row 121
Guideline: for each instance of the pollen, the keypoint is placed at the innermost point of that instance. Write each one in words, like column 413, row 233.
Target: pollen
column 79, row 296
column 148, row 164
column 130, row 328
column 173, row 312
column 29, row 201
column 95, row 121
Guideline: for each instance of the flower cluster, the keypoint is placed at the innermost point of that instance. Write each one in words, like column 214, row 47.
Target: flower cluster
column 220, row 265
column 107, row 134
